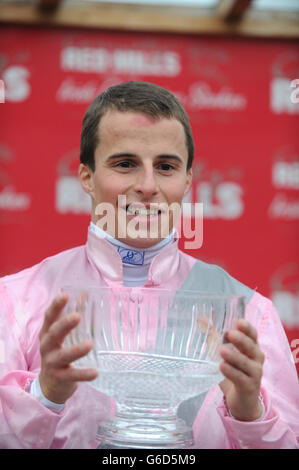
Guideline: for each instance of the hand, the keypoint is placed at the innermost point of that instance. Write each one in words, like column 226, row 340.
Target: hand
column 242, row 368
column 58, row 379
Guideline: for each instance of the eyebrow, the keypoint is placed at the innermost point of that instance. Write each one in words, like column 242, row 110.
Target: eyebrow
column 115, row 156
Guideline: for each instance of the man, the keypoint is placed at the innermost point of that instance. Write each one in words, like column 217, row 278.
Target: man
column 136, row 143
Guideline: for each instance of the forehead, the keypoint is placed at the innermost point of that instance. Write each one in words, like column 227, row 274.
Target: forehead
column 128, row 127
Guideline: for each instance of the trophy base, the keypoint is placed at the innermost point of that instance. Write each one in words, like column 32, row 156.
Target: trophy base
column 146, row 433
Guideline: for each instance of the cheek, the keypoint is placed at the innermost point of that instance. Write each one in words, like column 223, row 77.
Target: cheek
column 107, row 190
column 176, row 191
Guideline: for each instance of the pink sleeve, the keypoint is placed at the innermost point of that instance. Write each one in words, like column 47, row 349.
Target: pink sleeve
column 279, row 429
column 24, row 422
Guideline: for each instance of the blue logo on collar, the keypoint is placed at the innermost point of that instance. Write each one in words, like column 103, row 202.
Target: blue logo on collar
column 131, row 256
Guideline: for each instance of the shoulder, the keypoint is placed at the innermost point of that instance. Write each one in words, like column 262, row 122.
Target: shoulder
column 213, row 279
column 37, row 279
column 50, row 262
column 24, row 296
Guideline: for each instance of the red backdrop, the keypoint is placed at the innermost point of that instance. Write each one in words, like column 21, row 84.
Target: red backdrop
column 244, row 114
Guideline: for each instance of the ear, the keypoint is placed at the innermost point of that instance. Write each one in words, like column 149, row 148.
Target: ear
column 188, row 181
column 85, row 174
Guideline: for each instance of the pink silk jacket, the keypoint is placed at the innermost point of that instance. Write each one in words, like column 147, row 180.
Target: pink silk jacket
column 27, row 423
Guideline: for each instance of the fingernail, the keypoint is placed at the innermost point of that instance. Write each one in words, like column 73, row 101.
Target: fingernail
column 73, row 318
column 92, row 374
column 60, row 298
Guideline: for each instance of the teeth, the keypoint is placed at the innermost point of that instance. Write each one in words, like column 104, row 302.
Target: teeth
column 142, row 211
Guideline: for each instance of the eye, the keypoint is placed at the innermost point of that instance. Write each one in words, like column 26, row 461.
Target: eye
column 166, row 167
column 124, row 164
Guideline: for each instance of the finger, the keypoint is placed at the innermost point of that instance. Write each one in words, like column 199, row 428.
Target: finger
column 70, row 374
column 62, row 357
column 54, row 337
column 245, row 345
column 241, row 380
column 53, row 311
column 247, row 329
column 242, row 363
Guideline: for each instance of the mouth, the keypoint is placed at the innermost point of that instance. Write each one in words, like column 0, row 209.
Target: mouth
column 142, row 210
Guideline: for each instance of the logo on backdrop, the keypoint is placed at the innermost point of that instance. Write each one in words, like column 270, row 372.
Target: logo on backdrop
column 104, row 60
column 114, row 65
column 284, row 285
column 78, row 91
column 211, row 89
column 11, row 200
column 14, row 83
column 284, row 85
column 285, row 178
column 220, row 191
column 203, row 95
column 15, row 77
column 69, row 196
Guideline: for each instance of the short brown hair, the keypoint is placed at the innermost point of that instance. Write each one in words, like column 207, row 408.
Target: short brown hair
column 143, row 97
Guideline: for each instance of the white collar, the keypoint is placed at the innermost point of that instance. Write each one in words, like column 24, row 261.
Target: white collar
column 135, row 261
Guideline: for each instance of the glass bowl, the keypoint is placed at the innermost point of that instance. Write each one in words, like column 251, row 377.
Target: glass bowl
column 153, row 349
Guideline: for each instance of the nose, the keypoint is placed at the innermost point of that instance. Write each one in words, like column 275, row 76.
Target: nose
column 146, row 184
